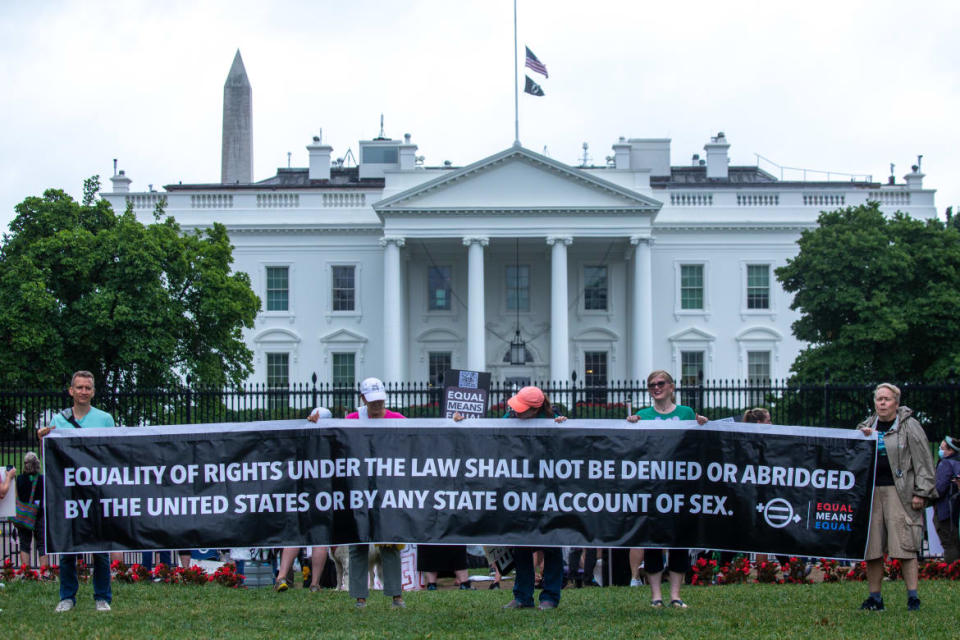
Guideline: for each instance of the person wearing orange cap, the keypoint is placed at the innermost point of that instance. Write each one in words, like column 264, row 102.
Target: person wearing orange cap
column 527, row 403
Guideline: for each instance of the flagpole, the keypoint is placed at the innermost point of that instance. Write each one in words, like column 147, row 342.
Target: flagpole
column 516, row 82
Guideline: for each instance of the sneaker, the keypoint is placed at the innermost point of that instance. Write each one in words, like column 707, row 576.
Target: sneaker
column 913, row 604
column 657, row 604
column 398, row 604
column 877, row 605
column 466, row 586
column 64, row 605
column 636, row 582
column 103, row 605
column 516, row 604
column 494, row 585
column 314, row 588
column 361, row 604
column 547, row 604
column 432, row 586
column 678, row 604
column 281, row 585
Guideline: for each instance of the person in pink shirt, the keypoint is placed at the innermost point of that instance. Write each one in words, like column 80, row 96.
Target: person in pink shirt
column 374, row 397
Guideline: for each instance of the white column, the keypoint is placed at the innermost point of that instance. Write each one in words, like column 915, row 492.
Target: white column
column 393, row 370
column 641, row 343
column 476, row 312
column 559, row 318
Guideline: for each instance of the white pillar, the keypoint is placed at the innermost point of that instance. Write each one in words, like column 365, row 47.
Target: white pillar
column 559, row 317
column 641, row 343
column 476, row 312
column 392, row 340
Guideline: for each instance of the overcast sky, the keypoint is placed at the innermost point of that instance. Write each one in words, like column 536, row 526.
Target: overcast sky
column 846, row 86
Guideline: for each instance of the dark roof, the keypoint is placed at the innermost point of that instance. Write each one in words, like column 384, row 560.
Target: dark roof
column 299, row 178
column 739, row 176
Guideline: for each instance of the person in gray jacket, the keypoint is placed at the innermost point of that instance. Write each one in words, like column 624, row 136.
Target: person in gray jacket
column 904, row 484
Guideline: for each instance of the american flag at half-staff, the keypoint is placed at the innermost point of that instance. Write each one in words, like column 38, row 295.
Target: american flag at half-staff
column 534, row 63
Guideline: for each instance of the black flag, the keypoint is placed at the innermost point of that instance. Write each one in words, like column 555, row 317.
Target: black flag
column 532, row 87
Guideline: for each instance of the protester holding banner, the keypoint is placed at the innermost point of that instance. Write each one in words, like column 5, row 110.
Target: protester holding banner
column 531, row 402
column 82, row 415
column 904, row 483
column 947, row 507
column 661, row 387
column 374, row 397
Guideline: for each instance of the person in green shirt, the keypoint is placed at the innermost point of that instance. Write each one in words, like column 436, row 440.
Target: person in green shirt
column 661, row 387
column 82, row 415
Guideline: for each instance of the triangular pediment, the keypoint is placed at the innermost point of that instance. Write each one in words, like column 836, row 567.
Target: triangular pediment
column 342, row 336
column 517, row 179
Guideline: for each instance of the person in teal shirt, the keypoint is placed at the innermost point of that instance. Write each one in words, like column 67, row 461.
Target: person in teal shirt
column 661, row 387
column 83, row 415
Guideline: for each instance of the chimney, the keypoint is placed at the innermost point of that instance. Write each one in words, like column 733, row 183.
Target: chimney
column 407, row 154
column 236, row 166
column 621, row 154
column 121, row 183
column 652, row 154
column 319, row 159
column 914, row 179
column 717, row 160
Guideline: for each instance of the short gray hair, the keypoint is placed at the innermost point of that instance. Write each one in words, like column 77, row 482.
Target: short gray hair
column 894, row 389
column 31, row 463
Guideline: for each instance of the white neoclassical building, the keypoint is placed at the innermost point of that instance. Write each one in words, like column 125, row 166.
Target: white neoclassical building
column 393, row 269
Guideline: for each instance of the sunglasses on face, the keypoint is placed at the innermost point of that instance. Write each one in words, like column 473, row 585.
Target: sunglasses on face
column 656, row 385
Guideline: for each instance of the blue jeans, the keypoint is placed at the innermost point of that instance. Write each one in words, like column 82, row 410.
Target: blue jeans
column 101, row 577
column 552, row 574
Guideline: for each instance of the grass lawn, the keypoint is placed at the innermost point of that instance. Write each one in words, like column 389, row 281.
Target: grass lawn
column 718, row 613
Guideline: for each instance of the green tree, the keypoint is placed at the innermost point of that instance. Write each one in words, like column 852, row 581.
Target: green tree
column 879, row 297
column 139, row 305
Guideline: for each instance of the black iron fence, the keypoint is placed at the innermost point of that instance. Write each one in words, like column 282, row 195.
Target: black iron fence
column 937, row 406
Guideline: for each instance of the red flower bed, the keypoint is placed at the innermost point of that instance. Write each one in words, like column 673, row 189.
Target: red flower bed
column 704, row 571
column 831, row 570
column 736, row 573
column 795, row 572
column 858, row 573
column 769, row 573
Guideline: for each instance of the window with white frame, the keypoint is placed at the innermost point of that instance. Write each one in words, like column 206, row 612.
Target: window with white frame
column 438, row 362
column 344, row 369
column 691, row 286
column 344, row 294
column 595, row 375
column 278, row 288
column 595, row 288
column 758, row 367
column 758, row 286
column 278, row 370
column 691, row 368
column 518, row 287
column 438, row 288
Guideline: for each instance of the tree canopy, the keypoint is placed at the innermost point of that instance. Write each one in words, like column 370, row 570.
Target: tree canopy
column 879, row 297
column 82, row 287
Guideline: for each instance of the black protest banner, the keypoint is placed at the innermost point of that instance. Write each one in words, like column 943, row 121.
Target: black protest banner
column 465, row 392
column 606, row 483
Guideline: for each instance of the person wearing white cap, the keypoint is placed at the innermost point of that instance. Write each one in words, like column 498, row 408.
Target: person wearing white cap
column 374, row 397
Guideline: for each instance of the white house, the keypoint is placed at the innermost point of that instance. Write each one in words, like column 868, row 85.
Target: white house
column 397, row 270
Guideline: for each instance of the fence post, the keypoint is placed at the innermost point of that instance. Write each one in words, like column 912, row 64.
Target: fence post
column 573, row 395
column 189, row 398
column 826, row 398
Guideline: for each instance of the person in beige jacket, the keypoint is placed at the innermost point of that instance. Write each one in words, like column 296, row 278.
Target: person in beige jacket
column 904, row 485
